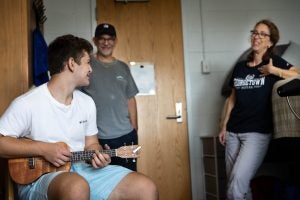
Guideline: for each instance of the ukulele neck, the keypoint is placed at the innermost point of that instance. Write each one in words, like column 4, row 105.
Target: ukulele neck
column 88, row 154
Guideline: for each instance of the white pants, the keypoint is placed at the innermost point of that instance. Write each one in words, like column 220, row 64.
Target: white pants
column 244, row 153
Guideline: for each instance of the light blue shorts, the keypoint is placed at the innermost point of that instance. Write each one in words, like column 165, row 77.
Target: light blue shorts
column 101, row 181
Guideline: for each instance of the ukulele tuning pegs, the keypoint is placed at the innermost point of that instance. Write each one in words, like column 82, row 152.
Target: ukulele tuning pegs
column 133, row 160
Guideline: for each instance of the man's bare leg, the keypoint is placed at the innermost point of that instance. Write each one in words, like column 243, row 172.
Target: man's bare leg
column 68, row 186
column 135, row 186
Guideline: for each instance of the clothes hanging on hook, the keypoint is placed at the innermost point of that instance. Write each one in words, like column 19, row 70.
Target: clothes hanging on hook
column 40, row 58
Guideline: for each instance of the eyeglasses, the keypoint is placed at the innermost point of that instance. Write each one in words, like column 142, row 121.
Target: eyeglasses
column 261, row 35
column 109, row 39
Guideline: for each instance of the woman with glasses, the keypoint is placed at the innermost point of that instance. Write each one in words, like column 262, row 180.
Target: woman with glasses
column 246, row 124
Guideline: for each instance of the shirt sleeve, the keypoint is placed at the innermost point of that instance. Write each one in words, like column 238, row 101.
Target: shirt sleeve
column 281, row 63
column 15, row 121
column 234, row 71
column 92, row 116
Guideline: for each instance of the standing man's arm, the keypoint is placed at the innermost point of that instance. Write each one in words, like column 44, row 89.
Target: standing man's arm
column 132, row 110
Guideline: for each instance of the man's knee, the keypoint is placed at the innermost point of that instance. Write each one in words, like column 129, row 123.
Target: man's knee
column 147, row 186
column 69, row 186
column 136, row 186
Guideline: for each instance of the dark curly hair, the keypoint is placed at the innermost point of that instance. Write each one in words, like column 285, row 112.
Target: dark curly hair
column 65, row 47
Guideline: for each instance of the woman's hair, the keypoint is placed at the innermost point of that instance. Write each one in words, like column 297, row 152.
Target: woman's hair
column 65, row 47
column 274, row 38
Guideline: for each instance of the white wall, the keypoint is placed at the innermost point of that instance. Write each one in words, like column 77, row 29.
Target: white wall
column 217, row 32
column 75, row 17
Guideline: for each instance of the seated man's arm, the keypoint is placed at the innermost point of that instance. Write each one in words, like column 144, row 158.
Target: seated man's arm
column 56, row 153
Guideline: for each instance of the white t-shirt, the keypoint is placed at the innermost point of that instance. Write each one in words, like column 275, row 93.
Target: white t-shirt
column 38, row 116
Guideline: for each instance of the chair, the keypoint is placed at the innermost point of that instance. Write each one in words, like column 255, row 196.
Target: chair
column 7, row 186
column 286, row 111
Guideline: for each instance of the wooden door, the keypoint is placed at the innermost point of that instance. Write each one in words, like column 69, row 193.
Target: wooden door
column 15, row 76
column 152, row 32
column 14, row 50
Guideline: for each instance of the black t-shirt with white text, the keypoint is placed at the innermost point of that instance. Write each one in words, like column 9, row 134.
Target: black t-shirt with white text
column 252, row 111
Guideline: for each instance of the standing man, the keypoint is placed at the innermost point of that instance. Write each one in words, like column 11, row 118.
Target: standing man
column 113, row 90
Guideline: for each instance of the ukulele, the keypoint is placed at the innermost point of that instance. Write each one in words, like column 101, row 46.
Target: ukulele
column 27, row 170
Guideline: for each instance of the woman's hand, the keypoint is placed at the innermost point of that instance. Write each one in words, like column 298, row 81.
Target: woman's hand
column 222, row 136
column 267, row 69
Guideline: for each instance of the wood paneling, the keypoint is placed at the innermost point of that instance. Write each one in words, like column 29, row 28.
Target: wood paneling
column 15, row 51
column 151, row 32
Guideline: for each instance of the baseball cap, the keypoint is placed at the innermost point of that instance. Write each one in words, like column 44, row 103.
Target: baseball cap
column 105, row 28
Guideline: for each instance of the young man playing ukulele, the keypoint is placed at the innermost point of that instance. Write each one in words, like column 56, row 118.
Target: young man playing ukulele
column 55, row 114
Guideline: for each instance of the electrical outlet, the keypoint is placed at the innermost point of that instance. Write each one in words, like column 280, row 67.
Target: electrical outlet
column 205, row 67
